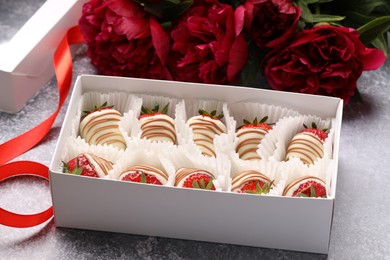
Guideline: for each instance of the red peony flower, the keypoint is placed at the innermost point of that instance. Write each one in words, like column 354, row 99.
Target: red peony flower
column 123, row 40
column 270, row 23
column 325, row 60
column 205, row 46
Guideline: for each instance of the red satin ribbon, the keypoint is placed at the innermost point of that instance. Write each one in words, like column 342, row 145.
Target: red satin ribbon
column 24, row 142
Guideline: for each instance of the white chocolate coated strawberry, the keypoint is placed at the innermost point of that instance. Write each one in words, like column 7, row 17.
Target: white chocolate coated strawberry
column 306, row 146
column 204, row 130
column 101, row 127
column 159, row 127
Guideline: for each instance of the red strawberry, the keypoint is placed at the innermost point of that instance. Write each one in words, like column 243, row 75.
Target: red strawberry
column 212, row 114
column 96, row 109
column 321, row 133
column 199, row 181
column 257, row 124
column 141, row 177
column 147, row 112
column 87, row 165
column 257, row 187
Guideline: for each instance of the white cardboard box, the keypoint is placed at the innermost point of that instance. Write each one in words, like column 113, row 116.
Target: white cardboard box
column 302, row 224
column 26, row 62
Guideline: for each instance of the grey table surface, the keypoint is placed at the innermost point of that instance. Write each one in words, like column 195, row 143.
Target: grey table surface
column 361, row 223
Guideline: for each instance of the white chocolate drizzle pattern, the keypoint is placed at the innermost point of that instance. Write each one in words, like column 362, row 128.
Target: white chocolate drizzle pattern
column 248, row 141
column 146, row 169
column 183, row 173
column 307, row 147
column 101, row 127
column 240, row 179
column 293, row 186
column 158, row 128
column 204, row 130
column 100, row 165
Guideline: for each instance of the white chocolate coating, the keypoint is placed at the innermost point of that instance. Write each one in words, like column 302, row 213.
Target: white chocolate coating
column 205, row 129
column 293, row 186
column 146, row 169
column 242, row 178
column 159, row 127
column 101, row 127
column 183, row 174
column 101, row 165
column 248, row 142
column 307, row 147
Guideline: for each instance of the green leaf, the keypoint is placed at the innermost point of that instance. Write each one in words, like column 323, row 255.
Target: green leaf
column 380, row 43
column 326, row 18
column 366, row 6
column 202, row 184
column 251, row 70
column 165, row 109
column 210, row 184
column 143, row 178
column 195, row 184
column 371, row 30
column 312, row 192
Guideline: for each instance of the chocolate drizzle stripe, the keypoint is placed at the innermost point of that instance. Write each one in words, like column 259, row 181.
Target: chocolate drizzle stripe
column 251, row 175
column 146, row 169
column 256, row 131
column 97, row 118
column 317, row 150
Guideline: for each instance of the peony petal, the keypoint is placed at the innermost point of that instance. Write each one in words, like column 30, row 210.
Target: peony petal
column 160, row 40
column 239, row 16
column 372, row 59
column 238, row 57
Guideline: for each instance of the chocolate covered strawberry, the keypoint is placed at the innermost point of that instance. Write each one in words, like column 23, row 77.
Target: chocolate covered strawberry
column 101, row 126
column 307, row 186
column 194, row 178
column 144, row 174
column 249, row 137
column 251, row 181
column 205, row 127
column 308, row 145
column 156, row 125
column 87, row 164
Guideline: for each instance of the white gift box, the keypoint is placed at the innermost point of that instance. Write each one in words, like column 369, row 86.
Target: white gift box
column 26, row 62
column 302, row 224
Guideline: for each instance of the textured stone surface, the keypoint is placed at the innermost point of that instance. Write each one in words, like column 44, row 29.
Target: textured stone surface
column 360, row 228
